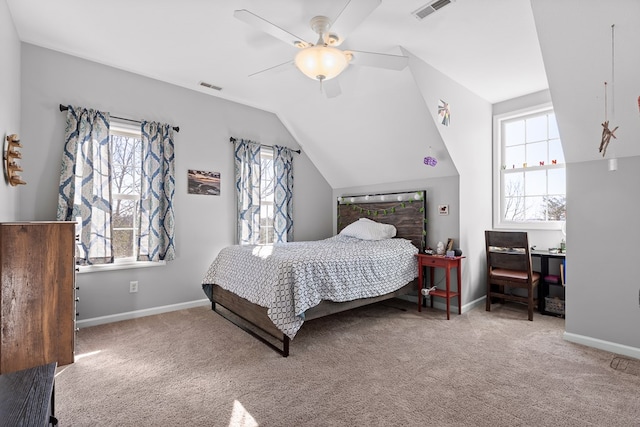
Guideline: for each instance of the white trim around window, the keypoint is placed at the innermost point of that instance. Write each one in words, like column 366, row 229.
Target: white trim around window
column 121, row 264
column 498, row 153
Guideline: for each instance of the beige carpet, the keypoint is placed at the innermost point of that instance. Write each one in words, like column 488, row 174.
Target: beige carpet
column 382, row 365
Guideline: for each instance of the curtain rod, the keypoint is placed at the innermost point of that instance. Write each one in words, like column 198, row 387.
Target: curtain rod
column 232, row 139
column 65, row 108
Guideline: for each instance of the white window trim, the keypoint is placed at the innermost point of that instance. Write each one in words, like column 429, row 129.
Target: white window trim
column 130, row 259
column 498, row 223
column 122, row 264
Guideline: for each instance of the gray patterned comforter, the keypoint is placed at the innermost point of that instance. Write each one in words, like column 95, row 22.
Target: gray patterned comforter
column 289, row 278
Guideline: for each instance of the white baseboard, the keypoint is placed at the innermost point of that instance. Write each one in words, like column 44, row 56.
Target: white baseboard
column 140, row 313
column 441, row 305
column 612, row 347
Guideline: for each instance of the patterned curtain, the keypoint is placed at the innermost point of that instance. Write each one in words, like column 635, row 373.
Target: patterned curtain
column 85, row 183
column 247, row 171
column 157, row 222
column 283, row 194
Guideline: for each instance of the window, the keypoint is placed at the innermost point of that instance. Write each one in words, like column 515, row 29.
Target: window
column 117, row 182
column 264, row 193
column 125, row 146
column 529, row 171
column 267, row 174
column 126, row 150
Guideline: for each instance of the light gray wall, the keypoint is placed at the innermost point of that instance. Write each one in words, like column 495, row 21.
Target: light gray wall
column 9, row 105
column 602, row 255
column 204, row 224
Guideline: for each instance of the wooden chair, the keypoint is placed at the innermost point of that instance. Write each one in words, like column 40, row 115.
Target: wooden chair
column 509, row 264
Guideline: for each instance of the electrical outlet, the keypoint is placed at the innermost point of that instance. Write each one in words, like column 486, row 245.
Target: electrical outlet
column 133, row 287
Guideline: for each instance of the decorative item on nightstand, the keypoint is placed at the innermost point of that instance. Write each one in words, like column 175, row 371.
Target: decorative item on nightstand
column 11, row 168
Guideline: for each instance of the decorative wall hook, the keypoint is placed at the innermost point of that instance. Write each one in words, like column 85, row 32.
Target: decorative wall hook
column 11, row 154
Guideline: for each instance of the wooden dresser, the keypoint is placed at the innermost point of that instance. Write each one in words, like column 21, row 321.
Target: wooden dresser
column 37, row 298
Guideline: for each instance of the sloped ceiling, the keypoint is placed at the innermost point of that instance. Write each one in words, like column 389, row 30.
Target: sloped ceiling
column 378, row 130
column 576, row 42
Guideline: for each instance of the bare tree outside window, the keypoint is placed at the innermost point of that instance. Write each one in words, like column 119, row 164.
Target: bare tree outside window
column 556, row 208
column 126, row 151
column 514, row 206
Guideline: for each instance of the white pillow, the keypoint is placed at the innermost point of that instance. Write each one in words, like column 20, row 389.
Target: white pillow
column 366, row 229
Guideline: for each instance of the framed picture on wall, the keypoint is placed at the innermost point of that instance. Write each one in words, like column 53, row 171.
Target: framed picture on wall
column 203, row 182
column 449, row 244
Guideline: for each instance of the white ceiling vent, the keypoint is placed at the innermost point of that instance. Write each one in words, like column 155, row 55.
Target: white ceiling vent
column 428, row 9
column 210, row 86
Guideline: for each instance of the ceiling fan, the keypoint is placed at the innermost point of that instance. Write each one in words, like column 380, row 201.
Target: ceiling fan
column 323, row 60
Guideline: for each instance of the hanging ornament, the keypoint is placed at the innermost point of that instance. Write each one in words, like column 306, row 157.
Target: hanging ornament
column 430, row 160
column 607, row 133
column 444, row 113
column 606, row 137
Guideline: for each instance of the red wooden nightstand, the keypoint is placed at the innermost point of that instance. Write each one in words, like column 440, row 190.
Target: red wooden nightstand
column 440, row 261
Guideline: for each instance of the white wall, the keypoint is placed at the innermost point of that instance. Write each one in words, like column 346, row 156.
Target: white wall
column 204, row 224
column 468, row 139
column 9, row 105
column 468, row 142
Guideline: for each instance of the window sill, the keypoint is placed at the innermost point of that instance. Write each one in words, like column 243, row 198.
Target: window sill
column 119, row 266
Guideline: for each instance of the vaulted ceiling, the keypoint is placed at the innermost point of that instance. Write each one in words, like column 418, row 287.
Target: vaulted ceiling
column 379, row 128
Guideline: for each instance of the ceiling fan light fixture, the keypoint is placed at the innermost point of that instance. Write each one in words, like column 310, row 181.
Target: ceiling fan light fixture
column 322, row 62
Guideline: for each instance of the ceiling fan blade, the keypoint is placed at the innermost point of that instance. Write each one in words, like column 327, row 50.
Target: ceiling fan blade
column 351, row 15
column 275, row 69
column 269, row 28
column 379, row 60
column 331, row 88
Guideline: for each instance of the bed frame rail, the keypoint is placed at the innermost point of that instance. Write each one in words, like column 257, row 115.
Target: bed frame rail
column 284, row 340
column 253, row 320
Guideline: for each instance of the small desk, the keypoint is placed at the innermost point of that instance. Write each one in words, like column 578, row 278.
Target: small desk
column 543, row 286
column 440, row 261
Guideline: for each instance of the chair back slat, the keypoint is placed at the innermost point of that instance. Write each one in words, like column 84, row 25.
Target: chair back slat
column 509, row 260
column 507, row 239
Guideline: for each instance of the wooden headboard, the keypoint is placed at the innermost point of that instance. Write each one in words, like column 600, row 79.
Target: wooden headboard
column 407, row 211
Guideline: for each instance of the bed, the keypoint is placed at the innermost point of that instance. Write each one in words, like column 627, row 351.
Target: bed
column 270, row 291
